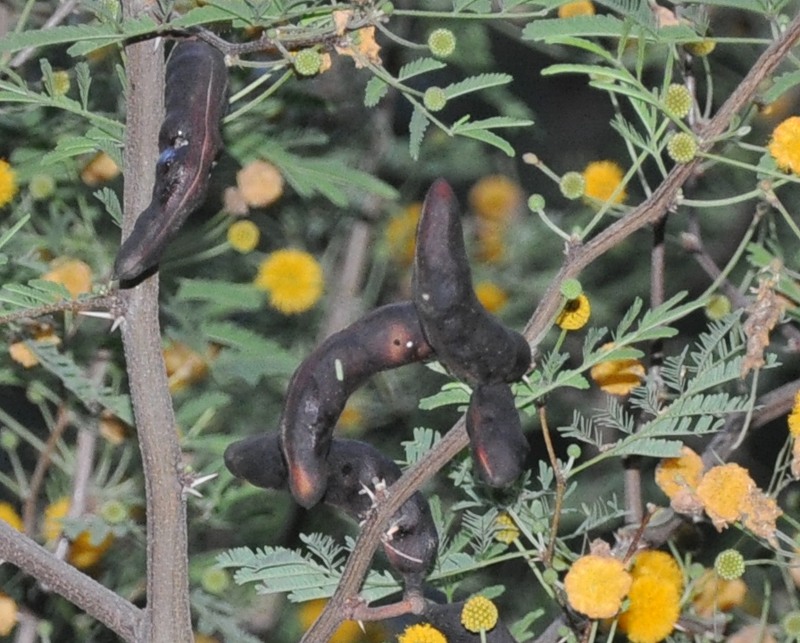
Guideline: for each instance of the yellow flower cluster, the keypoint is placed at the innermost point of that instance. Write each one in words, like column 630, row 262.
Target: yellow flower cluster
column 654, row 598
column 260, row 183
column 794, row 432
column 726, row 493
column 575, row 314
column 604, row 181
column 492, row 297
column 507, row 531
column 348, row 632
column 8, row 614
column 292, row 278
column 100, row 169
column 421, row 633
column 21, row 352
column 617, row 376
column 243, row 236
column 577, row 8
column 8, row 183
column 401, row 233
column 784, row 146
column 73, row 274
column 495, row 200
column 596, row 585
column 479, row 614
column 712, row 594
column 184, row 365
column 9, row 515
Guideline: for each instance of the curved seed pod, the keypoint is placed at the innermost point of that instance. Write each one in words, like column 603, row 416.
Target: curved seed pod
column 447, row 619
column 467, row 339
column 499, row 447
column 385, row 338
column 356, row 474
column 195, row 98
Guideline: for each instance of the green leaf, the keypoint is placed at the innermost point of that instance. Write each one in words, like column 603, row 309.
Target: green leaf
column 417, row 126
column 9, row 234
column 74, row 378
column 424, row 440
column 110, row 200
column 374, row 91
column 225, row 297
column 84, row 81
column 780, row 85
column 549, row 28
column 476, row 83
column 419, row 66
column 489, row 137
column 451, row 393
column 649, row 447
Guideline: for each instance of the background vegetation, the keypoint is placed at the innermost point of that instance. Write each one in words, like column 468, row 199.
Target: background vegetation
column 627, row 145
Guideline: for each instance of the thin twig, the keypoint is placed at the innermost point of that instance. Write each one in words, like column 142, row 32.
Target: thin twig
column 578, row 258
column 561, row 486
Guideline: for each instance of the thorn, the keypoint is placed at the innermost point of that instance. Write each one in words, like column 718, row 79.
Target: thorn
column 361, row 625
column 190, row 483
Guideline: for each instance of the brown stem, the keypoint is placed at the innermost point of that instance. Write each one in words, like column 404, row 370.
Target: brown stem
column 168, row 616
column 93, row 598
column 539, row 324
column 561, row 486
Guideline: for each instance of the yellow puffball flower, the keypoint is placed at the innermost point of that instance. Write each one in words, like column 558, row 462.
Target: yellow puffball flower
column 491, row 243
column 260, row 183
column 784, row 145
column 794, row 432
column 678, row 475
column 713, row 594
column 83, row 553
column 492, row 297
column 596, row 585
column 618, row 376
column 8, row 183
column 508, row 531
column 652, row 612
column 243, row 236
column 479, row 613
column 495, row 198
column 660, row 565
column 204, row 638
column 723, row 492
column 21, row 353
column 9, row 514
column 8, row 614
column 73, row 274
column 401, row 232
column 101, row 169
column 421, row 633
column 578, row 8
column 351, row 419
column 575, row 314
column 293, row 279
column 604, row 179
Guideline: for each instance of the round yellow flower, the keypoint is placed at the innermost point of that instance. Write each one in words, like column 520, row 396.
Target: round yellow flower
column 401, row 233
column 678, row 475
column 101, row 169
column 491, row 243
column 660, row 565
column 596, row 585
column 479, row 613
column 8, row 614
column 492, row 297
column 578, row 8
column 243, row 236
column 713, row 594
column 723, row 491
column 260, row 183
column 618, row 376
column 421, row 633
column 8, row 183
column 495, row 197
column 351, row 419
column 785, row 144
column 604, row 179
column 73, row 274
column 575, row 313
column 9, row 514
column 508, row 531
column 653, row 610
column 293, row 279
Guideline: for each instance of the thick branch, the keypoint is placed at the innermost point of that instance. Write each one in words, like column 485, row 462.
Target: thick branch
column 577, row 259
column 93, row 598
column 168, row 615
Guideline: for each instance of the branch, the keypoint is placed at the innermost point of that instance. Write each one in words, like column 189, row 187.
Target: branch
column 93, row 598
column 578, row 258
column 168, row 615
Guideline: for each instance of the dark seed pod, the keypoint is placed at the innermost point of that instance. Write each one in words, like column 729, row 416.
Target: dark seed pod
column 195, row 99
column 499, row 447
column 385, row 338
column 467, row 339
column 356, row 474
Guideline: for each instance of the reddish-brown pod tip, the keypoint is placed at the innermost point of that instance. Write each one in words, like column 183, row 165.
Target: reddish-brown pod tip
column 387, row 337
column 499, row 447
column 473, row 345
